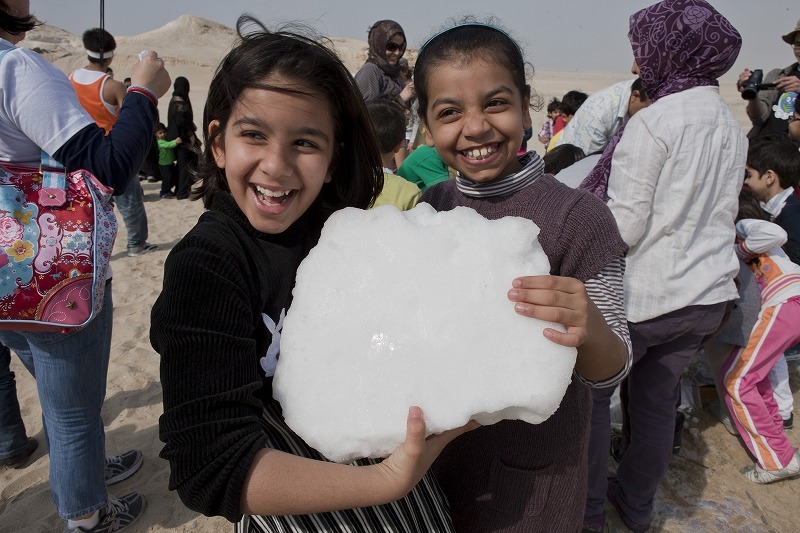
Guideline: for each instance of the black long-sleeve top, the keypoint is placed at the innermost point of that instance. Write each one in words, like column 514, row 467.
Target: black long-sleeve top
column 208, row 327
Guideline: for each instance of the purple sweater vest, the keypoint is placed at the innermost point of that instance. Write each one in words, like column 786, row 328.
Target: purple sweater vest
column 513, row 476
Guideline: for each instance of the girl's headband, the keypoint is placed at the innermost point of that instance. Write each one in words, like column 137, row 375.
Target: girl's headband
column 465, row 25
column 100, row 55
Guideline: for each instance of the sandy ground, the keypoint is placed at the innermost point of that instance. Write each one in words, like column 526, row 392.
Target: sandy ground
column 703, row 491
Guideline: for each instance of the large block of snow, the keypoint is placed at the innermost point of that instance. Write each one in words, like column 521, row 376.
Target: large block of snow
column 393, row 309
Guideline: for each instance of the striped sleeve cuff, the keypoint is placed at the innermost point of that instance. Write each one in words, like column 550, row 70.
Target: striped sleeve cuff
column 605, row 290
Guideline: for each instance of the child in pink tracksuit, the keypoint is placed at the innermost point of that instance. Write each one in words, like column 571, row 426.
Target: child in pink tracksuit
column 745, row 374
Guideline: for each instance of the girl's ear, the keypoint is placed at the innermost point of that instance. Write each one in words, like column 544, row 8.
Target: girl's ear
column 332, row 167
column 428, row 136
column 217, row 146
column 527, row 121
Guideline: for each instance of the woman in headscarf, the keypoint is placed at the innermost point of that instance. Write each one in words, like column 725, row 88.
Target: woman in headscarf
column 380, row 77
column 180, row 124
column 671, row 180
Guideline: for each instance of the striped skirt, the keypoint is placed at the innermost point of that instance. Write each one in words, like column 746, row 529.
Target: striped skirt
column 423, row 510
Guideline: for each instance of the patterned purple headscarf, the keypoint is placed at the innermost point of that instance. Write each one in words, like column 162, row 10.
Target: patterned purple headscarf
column 678, row 44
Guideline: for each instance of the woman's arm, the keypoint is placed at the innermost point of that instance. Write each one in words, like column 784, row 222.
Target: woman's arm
column 116, row 158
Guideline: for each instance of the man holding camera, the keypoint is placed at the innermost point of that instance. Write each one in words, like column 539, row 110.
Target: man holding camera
column 764, row 97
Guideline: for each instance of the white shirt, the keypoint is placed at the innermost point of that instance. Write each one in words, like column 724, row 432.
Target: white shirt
column 776, row 204
column 675, row 178
column 38, row 107
column 574, row 174
column 598, row 118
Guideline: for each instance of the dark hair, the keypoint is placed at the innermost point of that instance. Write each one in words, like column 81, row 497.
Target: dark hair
column 638, row 85
column 554, row 105
column 388, row 123
column 98, row 40
column 750, row 207
column 571, row 101
column 561, row 157
column 357, row 175
column 15, row 25
column 160, row 127
column 778, row 153
column 469, row 41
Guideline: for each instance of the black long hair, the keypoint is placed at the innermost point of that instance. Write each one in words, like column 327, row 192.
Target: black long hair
column 15, row 25
column 357, row 175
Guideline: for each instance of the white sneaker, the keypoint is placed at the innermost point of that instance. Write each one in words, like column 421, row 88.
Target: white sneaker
column 756, row 474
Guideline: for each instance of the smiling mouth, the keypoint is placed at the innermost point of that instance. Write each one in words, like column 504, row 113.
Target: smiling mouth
column 272, row 197
column 480, row 153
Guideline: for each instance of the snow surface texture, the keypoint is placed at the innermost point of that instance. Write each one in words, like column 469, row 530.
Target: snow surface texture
column 393, row 309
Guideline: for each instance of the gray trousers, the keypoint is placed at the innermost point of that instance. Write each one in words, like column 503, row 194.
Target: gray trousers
column 662, row 348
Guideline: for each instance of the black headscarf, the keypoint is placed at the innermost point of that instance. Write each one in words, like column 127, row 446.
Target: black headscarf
column 181, row 88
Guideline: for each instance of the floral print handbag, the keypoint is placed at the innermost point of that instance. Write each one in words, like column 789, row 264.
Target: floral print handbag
column 57, row 230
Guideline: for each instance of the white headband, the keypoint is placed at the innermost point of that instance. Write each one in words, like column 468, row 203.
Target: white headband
column 96, row 55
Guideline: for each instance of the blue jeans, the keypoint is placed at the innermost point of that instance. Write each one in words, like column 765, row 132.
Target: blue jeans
column 131, row 207
column 12, row 430
column 70, row 371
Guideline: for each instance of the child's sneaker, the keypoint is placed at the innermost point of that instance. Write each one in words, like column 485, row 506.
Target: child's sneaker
column 118, row 514
column 756, row 474
column 122, row 466
column 788, row 423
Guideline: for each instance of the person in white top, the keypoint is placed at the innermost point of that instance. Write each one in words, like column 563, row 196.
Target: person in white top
column 39, row 111
column 601, row 115
column 671, row 182
column 745, row 374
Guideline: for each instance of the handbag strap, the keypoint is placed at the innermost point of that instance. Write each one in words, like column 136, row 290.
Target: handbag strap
column 55, row 177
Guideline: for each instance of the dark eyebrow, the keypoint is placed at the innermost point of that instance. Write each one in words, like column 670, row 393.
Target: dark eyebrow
column 487, row 95
column 301, row 130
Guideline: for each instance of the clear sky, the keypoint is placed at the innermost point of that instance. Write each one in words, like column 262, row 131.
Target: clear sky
column 556, row 34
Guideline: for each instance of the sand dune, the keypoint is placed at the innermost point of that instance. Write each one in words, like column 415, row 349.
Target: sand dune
column 703, row 491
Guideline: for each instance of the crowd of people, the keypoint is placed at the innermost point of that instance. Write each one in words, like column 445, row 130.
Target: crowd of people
column 657, row 213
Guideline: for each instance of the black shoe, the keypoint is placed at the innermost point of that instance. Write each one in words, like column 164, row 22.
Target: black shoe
column 617, row 447
column 680, row 419
column 118, row 514
column 789, row 422
column 21, row 459
column 121, row 467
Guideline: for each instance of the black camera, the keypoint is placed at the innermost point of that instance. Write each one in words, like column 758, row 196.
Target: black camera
column 753, row 84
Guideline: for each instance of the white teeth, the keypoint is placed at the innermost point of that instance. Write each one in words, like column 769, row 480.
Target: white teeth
column 272, row 194
column 480, row 153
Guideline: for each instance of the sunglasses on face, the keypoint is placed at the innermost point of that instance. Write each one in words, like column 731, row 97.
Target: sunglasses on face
column 394, row 47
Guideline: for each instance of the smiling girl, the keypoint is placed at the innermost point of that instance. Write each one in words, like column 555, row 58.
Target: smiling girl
column 287, row 143
column 475, row 104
